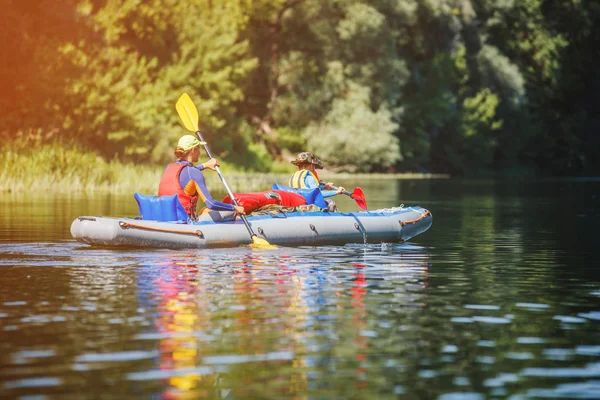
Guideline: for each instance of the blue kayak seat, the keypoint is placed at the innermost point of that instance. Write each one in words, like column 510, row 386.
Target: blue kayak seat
column 160, row 208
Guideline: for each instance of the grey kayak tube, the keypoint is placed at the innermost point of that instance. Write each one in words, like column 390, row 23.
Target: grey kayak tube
column 290, row 229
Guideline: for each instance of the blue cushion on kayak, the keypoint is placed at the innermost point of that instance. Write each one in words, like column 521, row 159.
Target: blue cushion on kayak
column 160, row 208
column 312, row 196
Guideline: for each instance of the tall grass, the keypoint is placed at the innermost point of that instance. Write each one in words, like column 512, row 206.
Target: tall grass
column 54, row 169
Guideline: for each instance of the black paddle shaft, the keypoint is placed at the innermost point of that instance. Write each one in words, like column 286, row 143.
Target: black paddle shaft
column 199, row 134
column 347, row 193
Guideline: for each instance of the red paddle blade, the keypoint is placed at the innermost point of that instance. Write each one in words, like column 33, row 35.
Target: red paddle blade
column 359, row 197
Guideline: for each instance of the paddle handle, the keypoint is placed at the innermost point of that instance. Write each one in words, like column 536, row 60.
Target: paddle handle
column 347, row 193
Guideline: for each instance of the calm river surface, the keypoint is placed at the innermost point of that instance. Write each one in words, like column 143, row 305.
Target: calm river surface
column 499, row 299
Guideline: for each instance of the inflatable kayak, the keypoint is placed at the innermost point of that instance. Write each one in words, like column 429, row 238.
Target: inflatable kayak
column 287, row 229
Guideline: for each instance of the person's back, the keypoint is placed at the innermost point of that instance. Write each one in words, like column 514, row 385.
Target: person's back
column 170, row 184
column 187, row 181
column 304, row 179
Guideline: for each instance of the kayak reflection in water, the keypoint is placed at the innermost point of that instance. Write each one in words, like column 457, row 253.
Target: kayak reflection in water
column 187, row 182
column 306, row 178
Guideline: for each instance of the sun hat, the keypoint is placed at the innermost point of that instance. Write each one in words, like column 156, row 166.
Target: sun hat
column 308, row 158
column 188, row 142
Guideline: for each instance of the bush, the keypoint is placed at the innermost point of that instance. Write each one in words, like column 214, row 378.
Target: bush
column 354, row 136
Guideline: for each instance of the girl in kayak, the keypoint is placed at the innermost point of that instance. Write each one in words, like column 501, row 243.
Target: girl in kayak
column 306, row 178
column 187, row 182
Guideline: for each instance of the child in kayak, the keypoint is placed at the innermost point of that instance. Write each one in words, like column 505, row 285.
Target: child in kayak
column 306, row 178
column 187, row 182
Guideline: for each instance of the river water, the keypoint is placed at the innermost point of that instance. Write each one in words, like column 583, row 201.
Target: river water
column 499, row 299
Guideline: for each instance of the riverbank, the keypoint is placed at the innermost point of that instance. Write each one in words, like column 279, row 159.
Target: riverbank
column 60, row 170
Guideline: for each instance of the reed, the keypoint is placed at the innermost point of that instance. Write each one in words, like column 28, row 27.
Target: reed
column 56, row 169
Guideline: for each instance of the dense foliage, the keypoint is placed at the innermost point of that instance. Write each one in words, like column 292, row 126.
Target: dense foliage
column 458, row 86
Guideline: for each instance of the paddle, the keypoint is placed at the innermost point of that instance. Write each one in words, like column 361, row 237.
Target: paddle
column 357, row 195
column 189, row 115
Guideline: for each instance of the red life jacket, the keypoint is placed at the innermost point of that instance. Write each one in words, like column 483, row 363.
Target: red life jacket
column 169, row 185
column 255, row 200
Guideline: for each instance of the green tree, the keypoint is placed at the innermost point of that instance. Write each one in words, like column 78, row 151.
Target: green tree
column 458, row 85
column 354, row 136
column 31, row 70
column 324, row 48
column 142, row 57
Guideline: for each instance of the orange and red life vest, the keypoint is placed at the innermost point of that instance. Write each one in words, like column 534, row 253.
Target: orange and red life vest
column 170, row 185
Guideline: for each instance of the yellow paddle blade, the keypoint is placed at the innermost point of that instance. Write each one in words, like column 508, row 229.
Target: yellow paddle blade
column 261, row 243
column 187, row 112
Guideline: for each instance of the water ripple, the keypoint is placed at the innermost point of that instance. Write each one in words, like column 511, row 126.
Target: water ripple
column 354, row 321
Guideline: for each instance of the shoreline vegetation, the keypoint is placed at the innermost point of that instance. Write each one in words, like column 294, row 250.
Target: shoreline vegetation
column 466, row 88
column 55, row 169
